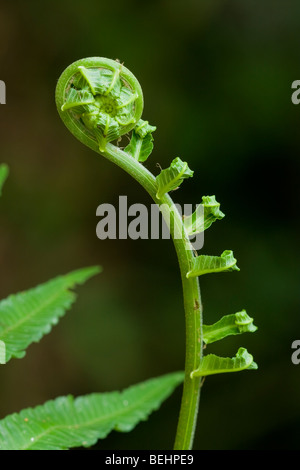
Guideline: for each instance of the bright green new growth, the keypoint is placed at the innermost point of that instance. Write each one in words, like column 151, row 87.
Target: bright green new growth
column 102, row 99
column 172, row 177
column 96, row 129
column 212, row 364
column 204, row 216
column 234, row 324
column 213, row 264
column 66, row 422
column 141, row 143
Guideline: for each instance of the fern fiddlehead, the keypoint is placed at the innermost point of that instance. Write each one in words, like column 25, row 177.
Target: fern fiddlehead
column 102, row 98
column 99, row 100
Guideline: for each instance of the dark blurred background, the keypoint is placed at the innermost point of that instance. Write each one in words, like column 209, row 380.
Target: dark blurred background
column 217, row 78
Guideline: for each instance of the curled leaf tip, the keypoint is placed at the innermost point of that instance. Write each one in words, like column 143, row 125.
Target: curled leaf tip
column 204, row 216
column 212, row 364
column 99, row 100
column 172, row 177
column 141, row 143
column 143, row 128
column 234, row 324
column 204, row 264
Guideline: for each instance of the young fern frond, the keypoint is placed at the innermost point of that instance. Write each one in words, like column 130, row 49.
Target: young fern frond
column 27, row 316
column 212, row 364
column 99, row 100
column 204, row 264
column 141, row 143
column 204, row 216
column 235, row 324
column 115, row 90
column 172, row 177
column 66, row 422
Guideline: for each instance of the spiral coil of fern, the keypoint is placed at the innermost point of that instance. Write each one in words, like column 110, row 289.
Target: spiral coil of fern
column 99, row 100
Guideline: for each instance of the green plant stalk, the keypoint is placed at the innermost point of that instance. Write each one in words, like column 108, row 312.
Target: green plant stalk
column 191, row 294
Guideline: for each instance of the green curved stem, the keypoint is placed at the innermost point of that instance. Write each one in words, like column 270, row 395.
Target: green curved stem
column 191, row 294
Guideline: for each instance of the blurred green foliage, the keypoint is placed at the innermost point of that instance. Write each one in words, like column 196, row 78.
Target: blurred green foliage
column 216, row 77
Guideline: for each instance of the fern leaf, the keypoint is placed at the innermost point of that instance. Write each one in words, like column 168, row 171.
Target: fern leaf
column 234, row 324
column 170, row 178
column 101, row 81
column 212, row 364
column 204, row 216
column 141, row 143
column 66, row 422
column 27, row 316
column 213, row 264
column 78, row 100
